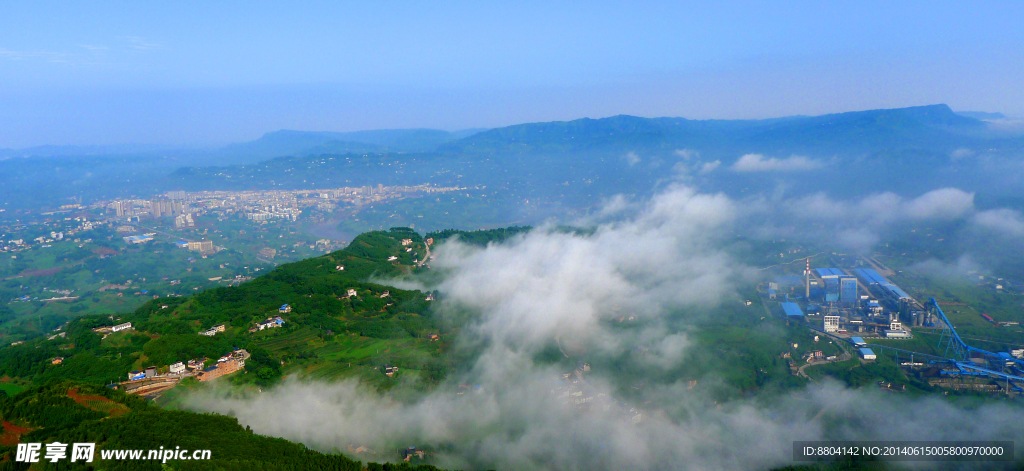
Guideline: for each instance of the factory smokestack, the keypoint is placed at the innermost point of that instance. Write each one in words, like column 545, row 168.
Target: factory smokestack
column 807, row 279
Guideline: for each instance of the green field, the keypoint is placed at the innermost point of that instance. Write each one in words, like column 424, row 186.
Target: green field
column 11, row 389
column 344, row 355
column 963, row 303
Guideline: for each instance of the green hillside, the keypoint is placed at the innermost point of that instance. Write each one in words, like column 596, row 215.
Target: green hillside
column 326, row 332
column 70, row 412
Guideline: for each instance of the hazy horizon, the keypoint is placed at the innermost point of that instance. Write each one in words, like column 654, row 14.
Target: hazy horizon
column 199, row 146
column 81, row 74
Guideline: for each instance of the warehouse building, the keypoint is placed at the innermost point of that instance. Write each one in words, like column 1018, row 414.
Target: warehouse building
column 792, row 310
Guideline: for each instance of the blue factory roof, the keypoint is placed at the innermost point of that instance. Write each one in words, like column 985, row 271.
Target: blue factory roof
column 792, row 309
column 897, row 291
column 856, row 340
column 866, row 351
column 829, row 272
column 870, row 276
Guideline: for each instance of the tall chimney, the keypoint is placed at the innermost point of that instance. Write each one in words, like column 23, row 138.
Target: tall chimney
column 807, row 279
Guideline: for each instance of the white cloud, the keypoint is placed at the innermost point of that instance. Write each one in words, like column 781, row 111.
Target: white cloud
column 758, row 163
column 549, row 281
column 884, row 208
column 514, row 421
column 1004, row 221
column 687, row 154
column 945, row 203
column 656, row 258
column 1008, row 126
column 961, row 153
column 859, row 224
column 709, row 167
column 953, row 271
column 632, row 159
column 50, row 56
column 142, row 44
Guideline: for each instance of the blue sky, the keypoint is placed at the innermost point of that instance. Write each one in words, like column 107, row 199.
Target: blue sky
column 208, row 73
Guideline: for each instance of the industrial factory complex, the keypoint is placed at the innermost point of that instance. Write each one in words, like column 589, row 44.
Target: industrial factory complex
column 859, row 300
column 859, row 306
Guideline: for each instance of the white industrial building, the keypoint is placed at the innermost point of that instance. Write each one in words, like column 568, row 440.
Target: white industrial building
column 831, row 323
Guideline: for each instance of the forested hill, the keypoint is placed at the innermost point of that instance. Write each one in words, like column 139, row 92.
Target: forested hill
column 334, row 311
column 70, row 412
column 921, row 127
column 479, row 238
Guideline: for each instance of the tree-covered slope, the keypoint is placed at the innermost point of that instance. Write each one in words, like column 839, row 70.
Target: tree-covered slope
column 334, row 307
column 70, row 412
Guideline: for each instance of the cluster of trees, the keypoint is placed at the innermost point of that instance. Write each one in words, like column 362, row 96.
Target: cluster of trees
column 266, row 368
column 6, row 314
column 53, row 415
column 479, row 238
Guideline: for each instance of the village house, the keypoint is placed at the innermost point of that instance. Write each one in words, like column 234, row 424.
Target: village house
column 385, row 294
column 111, row 329
column 351, row 293
column 408, row 453
column 284, row 309
column 227, row 364
column 177, row 368
column 270, row 323
column 390, row 370
column 214, row 330
column 392, row 258
column 406, row 242
column 120, row 327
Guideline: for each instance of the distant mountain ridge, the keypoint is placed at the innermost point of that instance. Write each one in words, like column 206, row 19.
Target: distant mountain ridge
column 929, row 126
column 296, row 143
column 898, row 127
column 625, row 154
column 984, row 115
